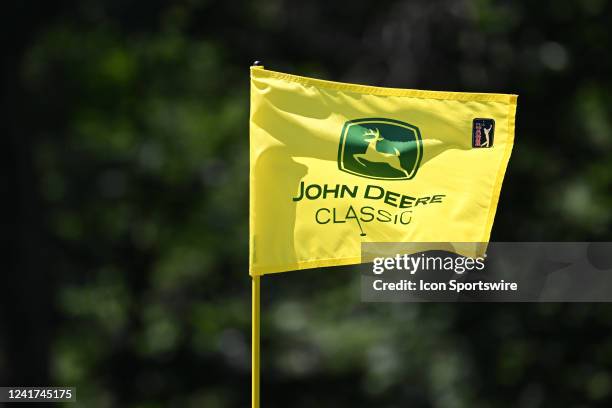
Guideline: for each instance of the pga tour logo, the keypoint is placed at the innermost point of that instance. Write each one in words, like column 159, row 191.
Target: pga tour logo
column 380, row 148
column 483, row 131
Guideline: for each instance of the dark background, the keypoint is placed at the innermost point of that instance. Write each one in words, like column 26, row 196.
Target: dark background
column 126, row 143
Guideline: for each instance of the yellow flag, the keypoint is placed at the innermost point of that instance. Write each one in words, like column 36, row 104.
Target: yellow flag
column 333, row 165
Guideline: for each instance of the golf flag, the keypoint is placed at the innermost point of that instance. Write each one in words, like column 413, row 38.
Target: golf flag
column 333, row 165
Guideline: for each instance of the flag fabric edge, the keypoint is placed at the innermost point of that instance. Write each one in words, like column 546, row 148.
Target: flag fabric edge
column 315, row 263
column 501, row 172
column 260, row 72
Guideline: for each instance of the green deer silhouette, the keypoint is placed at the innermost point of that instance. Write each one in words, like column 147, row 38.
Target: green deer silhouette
column 374, row 156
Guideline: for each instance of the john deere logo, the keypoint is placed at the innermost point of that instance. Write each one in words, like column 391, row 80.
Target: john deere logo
column 380, row 149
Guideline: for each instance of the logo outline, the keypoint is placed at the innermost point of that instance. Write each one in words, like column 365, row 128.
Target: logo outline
column 385, row 121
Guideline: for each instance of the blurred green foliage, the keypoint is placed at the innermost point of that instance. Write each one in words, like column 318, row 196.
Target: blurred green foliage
column 129, row 134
